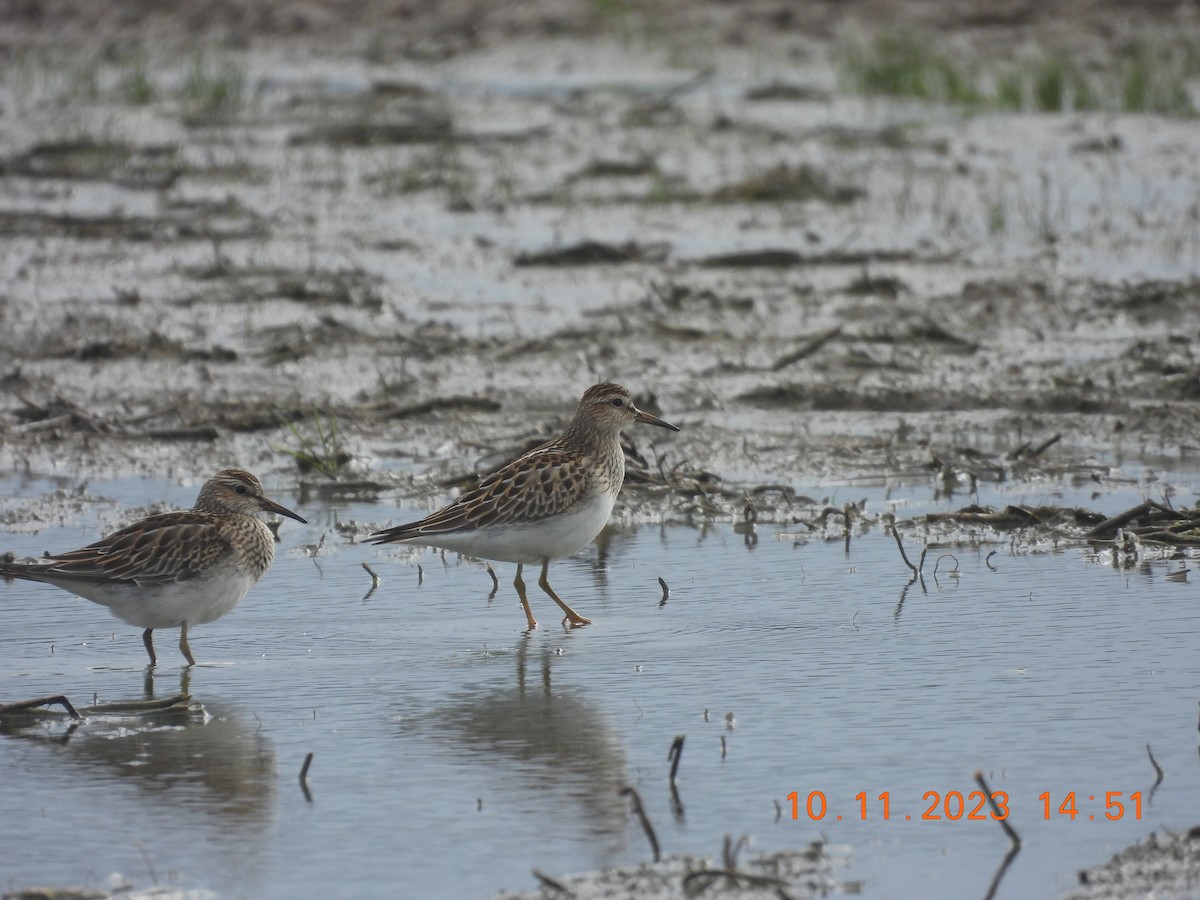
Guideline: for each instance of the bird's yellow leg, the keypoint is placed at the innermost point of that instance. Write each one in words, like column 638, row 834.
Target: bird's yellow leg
column 571, row 616
column 520, row 586
column 183, row 645
column 148, row 640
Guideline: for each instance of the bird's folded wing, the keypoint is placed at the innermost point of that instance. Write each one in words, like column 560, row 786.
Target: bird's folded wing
column 545, row 482
column 158, row 550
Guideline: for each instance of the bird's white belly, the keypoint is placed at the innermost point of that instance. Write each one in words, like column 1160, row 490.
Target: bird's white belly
column 196, row 601
column 551, row 538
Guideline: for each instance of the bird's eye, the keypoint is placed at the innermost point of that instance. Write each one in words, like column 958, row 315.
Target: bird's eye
column 618, row 402
column 241, row 489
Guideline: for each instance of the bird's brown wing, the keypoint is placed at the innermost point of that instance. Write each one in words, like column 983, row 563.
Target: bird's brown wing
column 160, row 549
column 544, row 482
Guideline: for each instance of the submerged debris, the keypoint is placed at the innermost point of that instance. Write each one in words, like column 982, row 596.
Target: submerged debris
column 35, row 711
column 784, row 183
column 1161, row 867
column 1149, row 522
column 811, row 871
column 589, row 253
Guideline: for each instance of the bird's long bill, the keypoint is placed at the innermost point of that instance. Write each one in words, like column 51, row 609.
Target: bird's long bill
column 653, row 420
column 271, row 506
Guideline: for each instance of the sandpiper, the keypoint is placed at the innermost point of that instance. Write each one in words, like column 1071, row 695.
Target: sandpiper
column 174, row 569
column 544, row 505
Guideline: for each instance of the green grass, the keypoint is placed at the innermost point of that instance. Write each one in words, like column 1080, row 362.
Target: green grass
column 320, row 450
column 213, row 87
column 904, row 64
column 1150, row 76
column 135, row 86
column 1154, row 81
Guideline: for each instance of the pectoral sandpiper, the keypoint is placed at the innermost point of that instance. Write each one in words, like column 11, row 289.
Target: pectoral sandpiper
column 174, row 569
column 544, row 505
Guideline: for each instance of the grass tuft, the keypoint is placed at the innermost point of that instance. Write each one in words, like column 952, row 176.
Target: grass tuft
column 320, row 451
column 1151, row 77
column 213, row 88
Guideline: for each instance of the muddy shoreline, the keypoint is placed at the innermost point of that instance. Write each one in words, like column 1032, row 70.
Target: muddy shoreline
column 221, row 259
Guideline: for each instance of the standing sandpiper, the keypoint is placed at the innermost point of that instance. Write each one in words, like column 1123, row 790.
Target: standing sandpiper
column 544, row 505
column 174, row 569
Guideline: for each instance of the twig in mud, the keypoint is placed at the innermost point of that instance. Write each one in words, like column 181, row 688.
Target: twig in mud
column 730, row 850
column 809, row 347
column 1109, row 526
column 758, row 880
column 900, row 545
column 495, row 581
column 636, row 800
column 1045, row 445
column 59, row 699
column 1008, row 829
column 666, row 592
column 374, row 582
column 1157, row 768
column 149, row 864
column 552, row 884
column 674, row 755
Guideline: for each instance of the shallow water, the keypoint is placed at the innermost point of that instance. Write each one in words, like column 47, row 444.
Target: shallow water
column 452, row 754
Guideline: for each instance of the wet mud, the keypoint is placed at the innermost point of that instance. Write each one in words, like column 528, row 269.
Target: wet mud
column 261, row 245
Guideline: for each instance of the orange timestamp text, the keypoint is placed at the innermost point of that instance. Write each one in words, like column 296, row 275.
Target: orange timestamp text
column 974, row 806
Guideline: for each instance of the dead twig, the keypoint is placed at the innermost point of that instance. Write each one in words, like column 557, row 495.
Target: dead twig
column 900, row 545
column 304, row 776
column 1008, row 829
column 808, row 348
column 137, row 706
column 674, row 755
column 1109, row 526
column 730, row 850
column 735, row 876
column 939, row 562
column 374, row 582
column 552, row 884
column 636, row 800
column 1157, row 767
column 1045, row 445
column 59, row 699
column 1012, row 836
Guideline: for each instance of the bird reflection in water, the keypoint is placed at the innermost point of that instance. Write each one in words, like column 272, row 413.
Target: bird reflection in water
column 552, row 745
